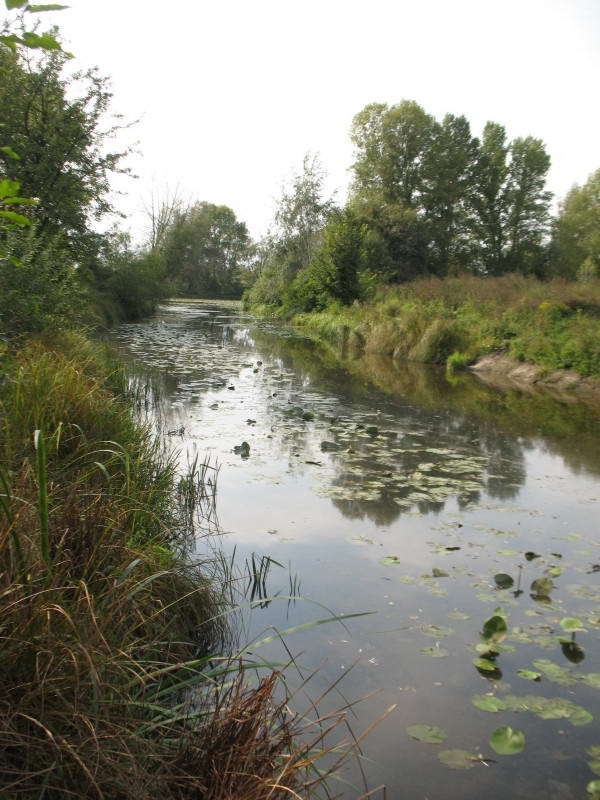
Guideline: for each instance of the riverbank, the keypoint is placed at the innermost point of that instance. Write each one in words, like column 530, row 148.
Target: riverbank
column 545, row 332
column 118, row 678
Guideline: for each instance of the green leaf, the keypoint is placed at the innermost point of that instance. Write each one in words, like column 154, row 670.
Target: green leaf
column 594, row 766
column 507, row 742
column 503, row 581
column 571, row 625
column 435, row 652
column 390, row 561
column 427, row 733
column 458, row 759
column 591, row 679
column 529, row 674
column 10, row 4
column 485, row 664
column 8, row 151
column 495, row 628
column 487, row 702
column 43, row 42
column 17, row 219
column 47, row 7
column 593, row 789
column 20, row 201
column 542, row 587
column 8, row 188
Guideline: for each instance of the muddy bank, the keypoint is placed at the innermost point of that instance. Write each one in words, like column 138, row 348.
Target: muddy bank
column 501, row 370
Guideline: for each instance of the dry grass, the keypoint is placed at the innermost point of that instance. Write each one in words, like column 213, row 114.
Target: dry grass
column 113, row 682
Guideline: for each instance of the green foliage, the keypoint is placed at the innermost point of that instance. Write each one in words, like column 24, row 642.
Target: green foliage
column 205, row 250
column 576, row 236
column 39, row 286
column 332, row 275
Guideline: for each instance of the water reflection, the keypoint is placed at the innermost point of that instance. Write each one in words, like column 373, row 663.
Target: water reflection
column 391, row 488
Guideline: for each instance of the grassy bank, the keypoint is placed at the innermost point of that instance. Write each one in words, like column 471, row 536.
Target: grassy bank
column 456, row 321
column 115, row 679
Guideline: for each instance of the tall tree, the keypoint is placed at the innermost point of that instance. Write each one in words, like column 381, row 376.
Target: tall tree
column 528, row 203
column 205, row 249
column 61, row 140
column 489, row 199
column 391, row 143
column 448, row 181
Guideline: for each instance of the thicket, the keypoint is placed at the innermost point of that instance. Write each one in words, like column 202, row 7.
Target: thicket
column 456, row 320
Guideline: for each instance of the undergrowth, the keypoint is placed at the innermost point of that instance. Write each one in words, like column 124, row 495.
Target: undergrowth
column 554, row 324
column 116, row 680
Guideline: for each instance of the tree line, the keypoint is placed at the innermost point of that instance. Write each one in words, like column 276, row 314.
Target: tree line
column 427, row 197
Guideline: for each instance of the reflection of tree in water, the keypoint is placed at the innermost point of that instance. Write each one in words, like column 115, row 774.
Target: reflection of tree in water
column 459, row 414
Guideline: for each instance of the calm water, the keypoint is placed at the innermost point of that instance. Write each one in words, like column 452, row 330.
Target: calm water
column 424, row 491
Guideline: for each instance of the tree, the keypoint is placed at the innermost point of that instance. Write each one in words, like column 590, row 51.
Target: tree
column 489, row 200
column 447, row 186
column 576, row 235
column 205, row 249
column 390, row 146
column 333, row 271
column 528, row 204
column 61, row 143
column 301, row 214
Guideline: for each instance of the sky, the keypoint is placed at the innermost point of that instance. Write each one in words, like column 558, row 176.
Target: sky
column 231, row 94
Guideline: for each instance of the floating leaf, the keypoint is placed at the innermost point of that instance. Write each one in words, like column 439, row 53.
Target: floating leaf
column 554, row 672
column 458, row 615
column 487, row 702
column 530, row 555
column 542, row 587
column 508, row 552
column 571, row 625
column 458, row 759
column 593, row 790
column 507, row 742
column 439, row 573
column 591, row 679
column 495, row 627
column 485, row 664
column 437, row 630
column 503, row 581
column 594, row 766
column 435, row 652
column 427, row 733
column 554, row 572
column 390, row 561
column 529, row 674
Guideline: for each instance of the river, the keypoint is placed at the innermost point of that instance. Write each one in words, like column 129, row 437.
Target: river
column 430, row 501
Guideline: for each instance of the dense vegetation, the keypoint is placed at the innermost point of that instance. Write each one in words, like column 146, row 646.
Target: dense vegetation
column 120, row 677
column 433, row 206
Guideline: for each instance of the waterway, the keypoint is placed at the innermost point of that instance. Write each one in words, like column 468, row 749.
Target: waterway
column 427, row 499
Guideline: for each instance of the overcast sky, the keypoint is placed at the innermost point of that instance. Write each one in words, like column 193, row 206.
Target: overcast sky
column 232, row 93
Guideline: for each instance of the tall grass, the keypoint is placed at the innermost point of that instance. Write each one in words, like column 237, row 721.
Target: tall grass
column 555, row 324
column 115, row 681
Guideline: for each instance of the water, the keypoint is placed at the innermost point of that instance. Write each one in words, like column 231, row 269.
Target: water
column 426, row 490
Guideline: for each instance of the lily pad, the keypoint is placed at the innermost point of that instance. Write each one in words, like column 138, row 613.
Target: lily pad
column 485, row 664
column 439, row 573
column 542, row 587
column 507, row 742
column 495, row 628
column 458, row 759
column 390, row 561
column 591, row 679
column 487, row 702
column 438, row 631
column 435, row 652
column 571, row 625
column 430, row 734
column 529, row 674
column 593, row 790
column 503, row 581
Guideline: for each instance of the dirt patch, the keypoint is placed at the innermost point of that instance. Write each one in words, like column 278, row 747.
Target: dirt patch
column 499, row 368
